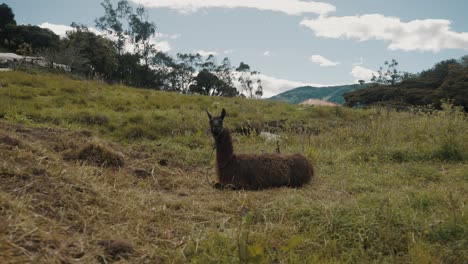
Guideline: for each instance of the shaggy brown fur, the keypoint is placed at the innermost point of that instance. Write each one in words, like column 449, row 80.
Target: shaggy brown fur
column 245, row 171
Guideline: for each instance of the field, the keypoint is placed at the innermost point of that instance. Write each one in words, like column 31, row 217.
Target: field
column 97, row 173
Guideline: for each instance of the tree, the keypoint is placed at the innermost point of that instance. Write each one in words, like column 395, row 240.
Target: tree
column 440, row 71
column 99, row 52
column 207, row 83
column 112, row 22
column 129, row 27
column 6, row 16
column 249, row 81
column 7, row 22
column 209, row 63
column 67, row 55
column 464, row 61
column 224, row 72
column 361, row 82
column 390, row 76
column 38, row 38
column 141, row 32
column 186, row 66
column 24, row 49
column 165, row 74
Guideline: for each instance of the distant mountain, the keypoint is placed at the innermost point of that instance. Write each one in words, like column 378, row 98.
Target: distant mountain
column 332, row 94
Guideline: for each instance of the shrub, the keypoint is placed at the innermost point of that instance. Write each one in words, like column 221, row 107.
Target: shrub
column 450, row 151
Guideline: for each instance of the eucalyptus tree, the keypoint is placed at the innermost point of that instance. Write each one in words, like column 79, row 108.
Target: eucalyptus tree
column 249, row 81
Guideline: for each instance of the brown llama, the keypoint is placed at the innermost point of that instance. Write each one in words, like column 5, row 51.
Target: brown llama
column 255, row 171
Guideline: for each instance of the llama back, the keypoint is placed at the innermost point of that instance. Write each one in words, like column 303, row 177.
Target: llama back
column 267, row 170
column 302, row 170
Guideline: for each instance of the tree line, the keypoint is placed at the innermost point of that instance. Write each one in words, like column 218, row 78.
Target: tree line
column 126, row 53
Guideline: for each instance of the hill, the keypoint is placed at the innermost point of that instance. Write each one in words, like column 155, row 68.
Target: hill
column 332, row 94
column 97, row 173
column 447, row 80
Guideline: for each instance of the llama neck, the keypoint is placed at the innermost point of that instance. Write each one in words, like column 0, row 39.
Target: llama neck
column 224, row 149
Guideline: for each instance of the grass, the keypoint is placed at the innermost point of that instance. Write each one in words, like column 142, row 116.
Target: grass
column 390, row 186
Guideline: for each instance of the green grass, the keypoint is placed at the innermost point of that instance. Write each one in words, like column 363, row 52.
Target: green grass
column 390, row 186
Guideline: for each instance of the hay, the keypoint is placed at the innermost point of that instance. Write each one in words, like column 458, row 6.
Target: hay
column 115, row 249
column 7, row 140
column 101, row 155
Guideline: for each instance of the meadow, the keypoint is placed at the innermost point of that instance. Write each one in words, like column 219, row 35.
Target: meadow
column 98, row 173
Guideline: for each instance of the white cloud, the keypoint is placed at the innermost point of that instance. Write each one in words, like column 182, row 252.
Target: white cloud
column 175, row 36
column 361, row 73
column 229, row 51
column 290, row 7
column 60, row 30
column 267, row 53
column 205, row 53
column 167, row 36
column 161, row 45
column 273, row 85
column 360, row 62
column 323, row 62
column 424, row 35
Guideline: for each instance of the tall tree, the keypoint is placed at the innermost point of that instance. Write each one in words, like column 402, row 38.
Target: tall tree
column 38, row 38
column 165, row 71
column 224, row 72
column 390, row 76
column 142, row 31
column 113, row 22
column 6, row 16
column 129, row 27
column 100, row 53
column 209, row 64
column 207, row 83
column 249, row 81
column 186, row 68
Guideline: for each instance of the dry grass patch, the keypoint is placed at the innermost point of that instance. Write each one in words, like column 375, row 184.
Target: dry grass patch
column 100, row 155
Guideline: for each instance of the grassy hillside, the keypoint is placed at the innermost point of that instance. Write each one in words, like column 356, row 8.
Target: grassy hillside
column 93, row 173
column 332, row 94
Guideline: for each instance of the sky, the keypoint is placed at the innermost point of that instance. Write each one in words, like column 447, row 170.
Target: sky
column 290, row 42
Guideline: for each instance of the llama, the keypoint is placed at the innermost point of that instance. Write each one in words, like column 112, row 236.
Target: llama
column 251, row 171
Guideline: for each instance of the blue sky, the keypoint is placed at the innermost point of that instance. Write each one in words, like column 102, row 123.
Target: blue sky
column 291, row 42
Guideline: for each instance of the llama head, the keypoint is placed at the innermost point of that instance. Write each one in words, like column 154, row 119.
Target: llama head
column 216, row 123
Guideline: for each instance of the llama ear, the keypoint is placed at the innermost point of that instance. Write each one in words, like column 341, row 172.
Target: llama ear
column 209, row 115
column 223, row 114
